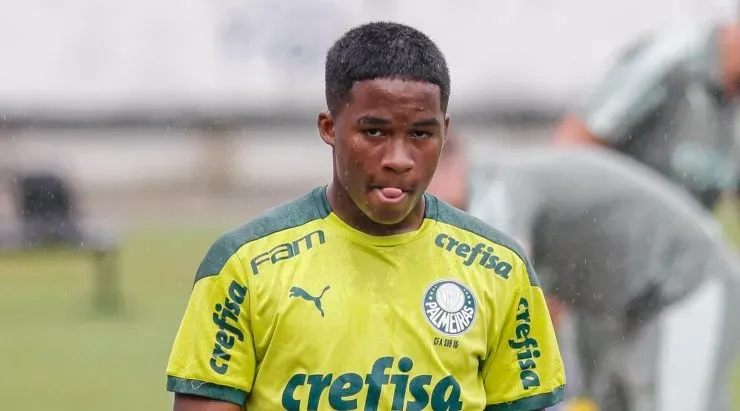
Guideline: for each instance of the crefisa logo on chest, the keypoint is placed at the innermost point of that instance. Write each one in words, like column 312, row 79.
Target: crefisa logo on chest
column 450, row 307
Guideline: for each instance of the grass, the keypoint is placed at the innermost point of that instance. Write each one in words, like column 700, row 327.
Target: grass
column 57, row 354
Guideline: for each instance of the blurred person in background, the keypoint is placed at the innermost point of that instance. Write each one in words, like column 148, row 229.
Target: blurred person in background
column 620, row 245
column 668, row 102
column 346, row 298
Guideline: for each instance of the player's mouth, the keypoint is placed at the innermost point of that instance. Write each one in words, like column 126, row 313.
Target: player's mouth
column 390, row 195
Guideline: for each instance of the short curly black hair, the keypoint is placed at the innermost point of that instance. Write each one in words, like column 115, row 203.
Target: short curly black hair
column 383, row 50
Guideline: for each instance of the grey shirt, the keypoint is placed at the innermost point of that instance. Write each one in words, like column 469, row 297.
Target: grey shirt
column 661, row 104
column 602, row 230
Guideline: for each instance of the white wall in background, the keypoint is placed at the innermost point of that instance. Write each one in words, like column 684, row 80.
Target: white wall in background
column 105, row 53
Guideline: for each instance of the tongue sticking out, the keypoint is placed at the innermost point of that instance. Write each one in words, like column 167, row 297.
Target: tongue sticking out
column 391, row 192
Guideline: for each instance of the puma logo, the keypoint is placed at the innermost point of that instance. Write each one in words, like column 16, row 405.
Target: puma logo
column 300, row 292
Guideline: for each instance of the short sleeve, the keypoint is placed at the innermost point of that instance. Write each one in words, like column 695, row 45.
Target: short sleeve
column 213, row 354
column 524, row 370
column 632, row 90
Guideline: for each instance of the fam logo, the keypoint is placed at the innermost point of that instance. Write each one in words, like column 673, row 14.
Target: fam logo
column 288, row 250
column 450, row 307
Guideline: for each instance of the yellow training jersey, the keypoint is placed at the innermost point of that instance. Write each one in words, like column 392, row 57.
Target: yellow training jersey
column 296, row 310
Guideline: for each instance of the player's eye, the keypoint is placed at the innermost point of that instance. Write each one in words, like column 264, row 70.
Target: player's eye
column 421, row 134
column 373, row 132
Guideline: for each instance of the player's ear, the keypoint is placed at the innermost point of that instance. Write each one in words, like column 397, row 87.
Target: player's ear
column 326, row 127
column 446, row 129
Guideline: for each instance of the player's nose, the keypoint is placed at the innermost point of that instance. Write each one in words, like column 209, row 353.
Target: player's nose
column 397, row 155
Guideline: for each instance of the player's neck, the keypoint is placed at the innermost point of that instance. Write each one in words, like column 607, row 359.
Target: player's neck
column 342, row 205
column 729, row 39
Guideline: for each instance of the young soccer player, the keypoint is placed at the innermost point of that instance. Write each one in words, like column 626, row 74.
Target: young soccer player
column 669, row 103
column 369, row 293
column 623, row 247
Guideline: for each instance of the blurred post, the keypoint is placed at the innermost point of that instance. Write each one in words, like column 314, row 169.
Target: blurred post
column 107, row 294
column 218, row 160
column 8, row 153
column 8, row 159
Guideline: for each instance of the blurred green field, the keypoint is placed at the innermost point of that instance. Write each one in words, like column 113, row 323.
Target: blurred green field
column 57, row 354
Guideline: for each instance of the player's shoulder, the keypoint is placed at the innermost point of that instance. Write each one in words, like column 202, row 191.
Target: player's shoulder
column 296, row 213
column 467, row 224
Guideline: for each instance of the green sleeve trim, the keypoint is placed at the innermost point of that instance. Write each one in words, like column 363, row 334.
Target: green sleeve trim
column 536, row 402
column 311, row 206
column 450, row 215
column 206, row 389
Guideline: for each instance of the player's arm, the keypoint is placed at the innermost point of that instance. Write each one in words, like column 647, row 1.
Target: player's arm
column 573, row 130
column 524, row 370
column 631, row 92
column 193, row 403
column 212, row 364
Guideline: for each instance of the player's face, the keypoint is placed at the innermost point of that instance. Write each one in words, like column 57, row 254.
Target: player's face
column 387, row 140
